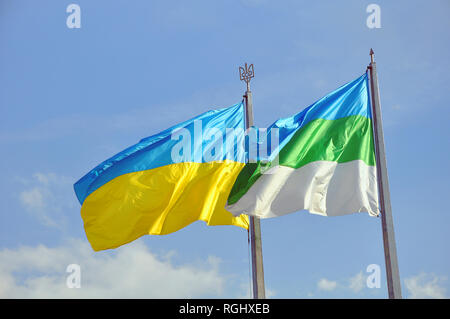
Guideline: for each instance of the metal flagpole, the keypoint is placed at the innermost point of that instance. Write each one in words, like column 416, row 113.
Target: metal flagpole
column 390, row 250
column 246, row 74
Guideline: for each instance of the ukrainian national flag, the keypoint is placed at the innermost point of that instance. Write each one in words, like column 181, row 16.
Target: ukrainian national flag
column 166, row 181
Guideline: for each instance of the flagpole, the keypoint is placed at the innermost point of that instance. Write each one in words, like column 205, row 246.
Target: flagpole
column 246, row 74
column 390, row 250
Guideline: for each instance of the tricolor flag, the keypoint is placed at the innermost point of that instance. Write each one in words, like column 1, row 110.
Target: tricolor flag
column 325, row 163
column 166, row 181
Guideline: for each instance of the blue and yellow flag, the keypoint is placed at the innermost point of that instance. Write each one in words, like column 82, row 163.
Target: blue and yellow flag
column 166, row 181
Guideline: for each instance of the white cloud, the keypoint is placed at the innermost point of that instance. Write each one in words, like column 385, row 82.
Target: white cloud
column 425, row 286
column 131, row 271
column 46, row 196
column 270, row 293
column 357, row 282
column 33, row 198
column 327, row 285
column 246, row 291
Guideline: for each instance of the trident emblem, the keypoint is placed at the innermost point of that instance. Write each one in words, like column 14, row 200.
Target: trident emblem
column 246, row 74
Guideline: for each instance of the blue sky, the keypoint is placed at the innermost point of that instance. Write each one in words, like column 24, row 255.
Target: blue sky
column 71, row 98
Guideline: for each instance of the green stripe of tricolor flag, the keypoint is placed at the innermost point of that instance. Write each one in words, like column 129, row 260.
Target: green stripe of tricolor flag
column 351, row 139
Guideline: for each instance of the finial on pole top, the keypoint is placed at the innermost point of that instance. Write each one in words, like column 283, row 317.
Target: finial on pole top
column 371, row 55
column 246, row 74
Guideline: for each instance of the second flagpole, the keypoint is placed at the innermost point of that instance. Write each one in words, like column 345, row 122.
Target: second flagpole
column 246, row 73
column 387, row 223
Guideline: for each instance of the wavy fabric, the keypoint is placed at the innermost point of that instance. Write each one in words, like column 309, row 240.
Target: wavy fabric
column 160, row 201
column 156, row 150
column 348, row 100
column 337, row 130
column 166, row 181
column 322, row 188
column 342, row 140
